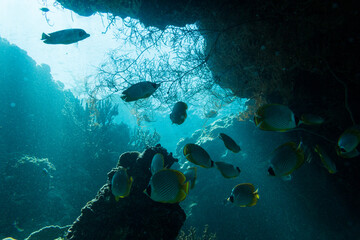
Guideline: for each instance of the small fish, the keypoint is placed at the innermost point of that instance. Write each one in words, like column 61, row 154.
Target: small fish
column 275, row 117
column 244, row 195
column 121, row 183
column 328, row 163
column 67, row 36
column 157, row 163
column 228, row 170
column 139, row 91
column 178, row 114
column 285, row 159
column 197, row 155
column 44, row 9
column 348, row 144
column 211, row 114
column 311, row 119
column 167, row 186
column 191, row 175
column 229, row 143
column 9, row 238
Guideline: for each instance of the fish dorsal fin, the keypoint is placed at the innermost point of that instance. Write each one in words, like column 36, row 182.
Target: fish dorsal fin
column 181, row 196
column 181, row 177
column 185, row 187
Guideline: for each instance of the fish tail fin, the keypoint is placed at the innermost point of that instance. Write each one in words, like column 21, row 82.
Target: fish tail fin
column 192, row 184
column 185, row 187
column 44, row 36
column 257, row 194
column 253, row 202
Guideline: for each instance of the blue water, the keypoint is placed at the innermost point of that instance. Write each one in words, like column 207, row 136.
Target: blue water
column 56, row 149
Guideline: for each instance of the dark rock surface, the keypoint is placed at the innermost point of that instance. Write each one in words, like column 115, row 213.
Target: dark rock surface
column 133, row 217
column 299, row 53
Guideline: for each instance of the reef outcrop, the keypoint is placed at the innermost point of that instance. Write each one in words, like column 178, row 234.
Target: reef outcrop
column 25, row 184
column 303, row 54
column 133, row 217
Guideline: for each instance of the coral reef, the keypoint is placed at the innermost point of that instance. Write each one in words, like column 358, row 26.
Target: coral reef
column 192, row 234
column 133, row 217
column 143, row 137
column 42, row 126
column 28, row 181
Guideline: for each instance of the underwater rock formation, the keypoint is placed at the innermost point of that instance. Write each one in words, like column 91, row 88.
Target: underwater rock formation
column 303, row 54
column 133, row 217
column 150, row 13
column 24, row 187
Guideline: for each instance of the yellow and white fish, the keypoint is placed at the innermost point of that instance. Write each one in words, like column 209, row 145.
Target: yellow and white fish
column 229, row 143
column 275, row 117
column 244, row 195
column 157, row 163
column 191, row 175
column 328, row 163
column 285, row 159
column 178, row 114
column 121, row 183
column 348, row 145
column 197, row 155
column 228, row 170
column 167, row 186
column 139, row 90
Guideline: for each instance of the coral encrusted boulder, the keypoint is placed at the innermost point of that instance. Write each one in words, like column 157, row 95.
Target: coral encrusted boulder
column 133, row 217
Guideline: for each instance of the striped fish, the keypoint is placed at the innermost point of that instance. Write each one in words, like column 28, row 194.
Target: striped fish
column 275, row 117
column 167, row 186
column 285, row 159
column 229, row 143
column 191, row 175
column 197, row 155
column 348, row 145
column 157, row 163
column 244, row 195
column 228, row 170
column 121, row 183
column 328, row 163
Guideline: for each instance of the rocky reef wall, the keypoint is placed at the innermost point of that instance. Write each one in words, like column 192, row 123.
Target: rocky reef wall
column 298, row 53
column 133, row 217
